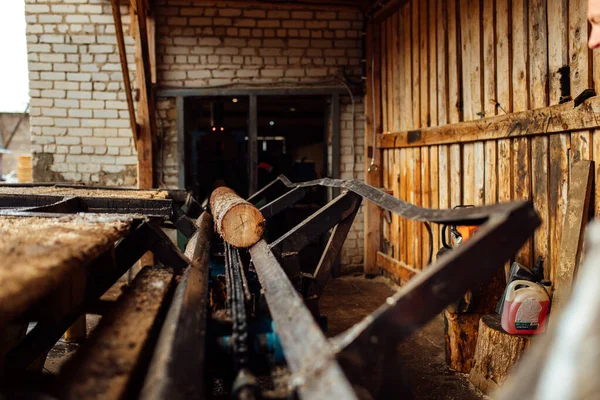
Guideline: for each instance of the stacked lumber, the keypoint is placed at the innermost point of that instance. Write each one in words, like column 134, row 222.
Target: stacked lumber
column 24, row 169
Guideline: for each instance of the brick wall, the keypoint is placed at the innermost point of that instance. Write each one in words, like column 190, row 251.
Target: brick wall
column 79, row 114
column 79, row 124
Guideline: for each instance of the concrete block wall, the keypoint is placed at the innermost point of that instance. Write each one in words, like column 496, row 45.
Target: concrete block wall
column 80, row 127
column 79, row 121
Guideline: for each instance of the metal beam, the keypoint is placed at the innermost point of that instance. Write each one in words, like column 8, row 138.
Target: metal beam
column 292, row 91
column 252, row 145
column 176, row 369
column 181, row 156
column 282, row 202
column 373, row 341
column 302, row 340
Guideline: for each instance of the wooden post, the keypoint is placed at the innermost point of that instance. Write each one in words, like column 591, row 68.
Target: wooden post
column 576, row 218
column 373, row 154
column 146, row 109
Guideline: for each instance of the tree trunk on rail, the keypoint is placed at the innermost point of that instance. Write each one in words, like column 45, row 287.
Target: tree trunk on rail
column 496, row 354
column 238, row 222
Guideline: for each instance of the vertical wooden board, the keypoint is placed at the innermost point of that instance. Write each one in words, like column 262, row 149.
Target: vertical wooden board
column 455, row 175
column 558, row 45
column 471, row 45
column 538, row 54
column 578, row 49
column 522, row 188
column 503, row 76
column 519, row 56
column 403, row 187
column 468, row 183
column 396, row 70
column 479, row 174
column 538, row 98
column 455, row 99
column 411, row 198
column 390, row 72
column 491, row 173
column 557, row 195
column 417, row 190
column 396, row 192
column 572, row 240
column 444, row 177
column 433, row 89
column 442, row 62
column 581, row 148
column 521, row 173
column 416, row 69
column 542, row 247
column 372, row 213
column 435, row 194
column 386, row 167
column 384, row 78
column 425, row 201
column 406, row 96
column 424, row 61
column 489, row 58
column 596, row 133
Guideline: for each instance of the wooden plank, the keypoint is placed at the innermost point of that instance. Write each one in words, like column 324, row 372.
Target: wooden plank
column 404, row 236
column 455, row 100
column 559, row 145
column 390, row 72
column 417, row 238
column 521, row 157
column 558, row 45
column 519, row 56
column 443, row 99
column 396, row 268
column 121, row 339
column 596, row 132
column 406, row 97
column 384, row 78
column 116, row 10
column 579, row 61
column 554, row 119
column 489, row 191
column 424, row 62
column 425, row 201
column 396, row 192
column 538, row 98
column 432, row 36
column 146, row 106
column 572, row 238
column 434, row 194
column 36, row 261
column 396, row 70
column 410, row 193
column 416, row 69
column 373, row 176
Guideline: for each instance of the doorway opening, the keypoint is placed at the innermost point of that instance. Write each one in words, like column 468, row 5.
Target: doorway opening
column 225, row 145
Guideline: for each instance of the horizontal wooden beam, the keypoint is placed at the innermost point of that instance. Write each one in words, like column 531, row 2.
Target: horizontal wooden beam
column 389, row 9
column 554, row 119
column 395, row 267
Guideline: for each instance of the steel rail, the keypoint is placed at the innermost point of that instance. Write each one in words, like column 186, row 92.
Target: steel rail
column 309, row 355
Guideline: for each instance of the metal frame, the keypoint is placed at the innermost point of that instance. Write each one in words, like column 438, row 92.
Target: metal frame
column 371, row 343
column 180, row 94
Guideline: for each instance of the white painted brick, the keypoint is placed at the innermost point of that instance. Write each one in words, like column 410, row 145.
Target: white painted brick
column 68, row 140
column 52, row 38
column 79, row 77
column 128, row 160
column 106, row 114
column 89, row 9
column 62, row 8
column 67, row 122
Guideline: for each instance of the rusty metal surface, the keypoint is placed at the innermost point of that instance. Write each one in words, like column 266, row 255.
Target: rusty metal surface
column 308, row 353
column 177, row 367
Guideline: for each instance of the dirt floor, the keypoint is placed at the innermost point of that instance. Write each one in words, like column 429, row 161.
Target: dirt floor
column 347, row 300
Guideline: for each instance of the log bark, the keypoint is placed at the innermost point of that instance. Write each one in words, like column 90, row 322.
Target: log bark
column 461, row 338
column 238, row 222
column 496, row 354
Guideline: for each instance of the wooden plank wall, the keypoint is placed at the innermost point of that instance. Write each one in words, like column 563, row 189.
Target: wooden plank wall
column 447, row 61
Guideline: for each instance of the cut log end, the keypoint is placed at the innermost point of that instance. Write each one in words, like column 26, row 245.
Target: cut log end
column 238, row 222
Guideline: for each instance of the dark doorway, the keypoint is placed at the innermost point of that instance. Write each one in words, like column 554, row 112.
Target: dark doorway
column 291, row 139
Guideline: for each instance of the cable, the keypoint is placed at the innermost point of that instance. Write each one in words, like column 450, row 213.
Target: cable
column 352, row 126
column 372, row 166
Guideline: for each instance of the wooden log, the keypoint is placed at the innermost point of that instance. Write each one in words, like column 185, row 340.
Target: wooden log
column 460, row 332
column 238, row 222
column 496, row 354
